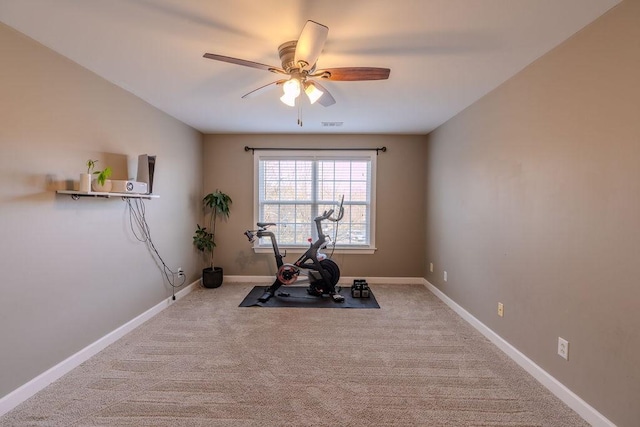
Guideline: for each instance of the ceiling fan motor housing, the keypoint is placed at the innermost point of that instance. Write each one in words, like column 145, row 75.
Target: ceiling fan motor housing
column 287, row 52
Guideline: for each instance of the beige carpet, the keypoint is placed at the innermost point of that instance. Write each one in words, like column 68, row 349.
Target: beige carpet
column 205, row 361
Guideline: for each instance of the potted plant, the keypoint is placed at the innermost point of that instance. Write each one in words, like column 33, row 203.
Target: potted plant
column 218, row 204
column 102, row 183
column 85, row 178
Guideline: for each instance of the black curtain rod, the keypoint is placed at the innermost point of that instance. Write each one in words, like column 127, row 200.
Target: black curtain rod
column 254, row 149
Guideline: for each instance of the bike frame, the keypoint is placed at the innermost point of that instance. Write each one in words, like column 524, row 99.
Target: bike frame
column 309, row 261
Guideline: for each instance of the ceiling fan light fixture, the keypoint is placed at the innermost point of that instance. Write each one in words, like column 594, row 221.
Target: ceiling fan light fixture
column 291, row 89
column 313, row 92
column 289, row 100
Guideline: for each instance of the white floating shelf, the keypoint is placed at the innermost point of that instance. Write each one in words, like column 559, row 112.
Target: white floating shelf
column 75, row 195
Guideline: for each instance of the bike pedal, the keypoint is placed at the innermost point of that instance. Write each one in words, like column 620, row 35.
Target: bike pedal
column 313, row 291
column 337, row 298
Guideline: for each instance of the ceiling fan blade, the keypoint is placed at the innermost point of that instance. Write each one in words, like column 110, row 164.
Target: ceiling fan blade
column 353, row 73
column 310, row 44
column 244, row 62
column 264, row 88
column 326, row 99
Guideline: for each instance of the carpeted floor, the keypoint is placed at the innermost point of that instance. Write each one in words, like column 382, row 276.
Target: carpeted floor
column 205, row 361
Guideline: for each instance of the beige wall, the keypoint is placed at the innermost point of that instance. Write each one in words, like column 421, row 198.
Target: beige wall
column 400, row 202
column 534, row 201
column 71, row 270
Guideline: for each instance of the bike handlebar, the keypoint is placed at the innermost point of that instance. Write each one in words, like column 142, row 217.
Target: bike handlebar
column 325, row 215
column 328, row 214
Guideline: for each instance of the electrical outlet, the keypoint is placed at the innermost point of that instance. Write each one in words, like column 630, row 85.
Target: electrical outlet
column 500, row 309
column 431, row 267
column 445, row 276
column 180, row 272
column 563, row 348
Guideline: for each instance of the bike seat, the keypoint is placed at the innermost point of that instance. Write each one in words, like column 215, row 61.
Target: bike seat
column 265, row 224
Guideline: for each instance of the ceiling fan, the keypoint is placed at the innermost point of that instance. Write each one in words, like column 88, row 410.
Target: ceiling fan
column 298, row 59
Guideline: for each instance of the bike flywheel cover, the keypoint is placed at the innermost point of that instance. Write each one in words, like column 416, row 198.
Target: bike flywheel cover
column 288, row 274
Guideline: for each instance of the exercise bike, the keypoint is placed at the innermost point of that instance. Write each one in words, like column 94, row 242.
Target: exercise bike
column 322, row 273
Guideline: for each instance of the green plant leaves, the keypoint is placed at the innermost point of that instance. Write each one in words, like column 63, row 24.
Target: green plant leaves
column 103, row 175
column 90, row 165
column 219, row 203
column 203, row 240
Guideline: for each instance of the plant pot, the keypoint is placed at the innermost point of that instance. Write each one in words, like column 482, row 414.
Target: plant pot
column 85, row 183
column 212, row 278
column 96, row 186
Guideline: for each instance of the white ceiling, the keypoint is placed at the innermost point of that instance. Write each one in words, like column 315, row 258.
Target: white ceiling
column 443, row 54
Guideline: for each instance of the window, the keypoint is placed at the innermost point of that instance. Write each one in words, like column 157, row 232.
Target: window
column 293, row 187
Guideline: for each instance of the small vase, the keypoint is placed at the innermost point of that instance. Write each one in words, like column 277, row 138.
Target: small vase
column 101, row 188
column 85, row 183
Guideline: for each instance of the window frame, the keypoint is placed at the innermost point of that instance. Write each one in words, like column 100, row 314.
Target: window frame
column 317, row 155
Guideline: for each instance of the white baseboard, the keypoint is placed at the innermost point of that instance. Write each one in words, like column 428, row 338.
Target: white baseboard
column 586, row 411
column 27, row 390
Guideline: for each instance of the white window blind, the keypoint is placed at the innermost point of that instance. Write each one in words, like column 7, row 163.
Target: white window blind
column 293, row 187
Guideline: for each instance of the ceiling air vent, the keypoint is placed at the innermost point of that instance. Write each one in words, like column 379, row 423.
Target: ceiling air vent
column 332, row 124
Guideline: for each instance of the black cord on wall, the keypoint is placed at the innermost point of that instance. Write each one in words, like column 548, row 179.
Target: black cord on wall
column 137, row 218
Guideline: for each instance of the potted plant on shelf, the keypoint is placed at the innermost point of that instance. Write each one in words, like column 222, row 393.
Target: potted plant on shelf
column 102, row 183
column 218, row 204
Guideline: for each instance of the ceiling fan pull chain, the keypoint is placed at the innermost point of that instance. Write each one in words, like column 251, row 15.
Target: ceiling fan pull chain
column 299, row 115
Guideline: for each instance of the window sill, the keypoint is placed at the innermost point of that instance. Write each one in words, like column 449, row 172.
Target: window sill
column 300, row 251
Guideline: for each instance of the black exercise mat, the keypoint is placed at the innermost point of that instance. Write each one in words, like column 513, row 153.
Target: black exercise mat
column 298, row 297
